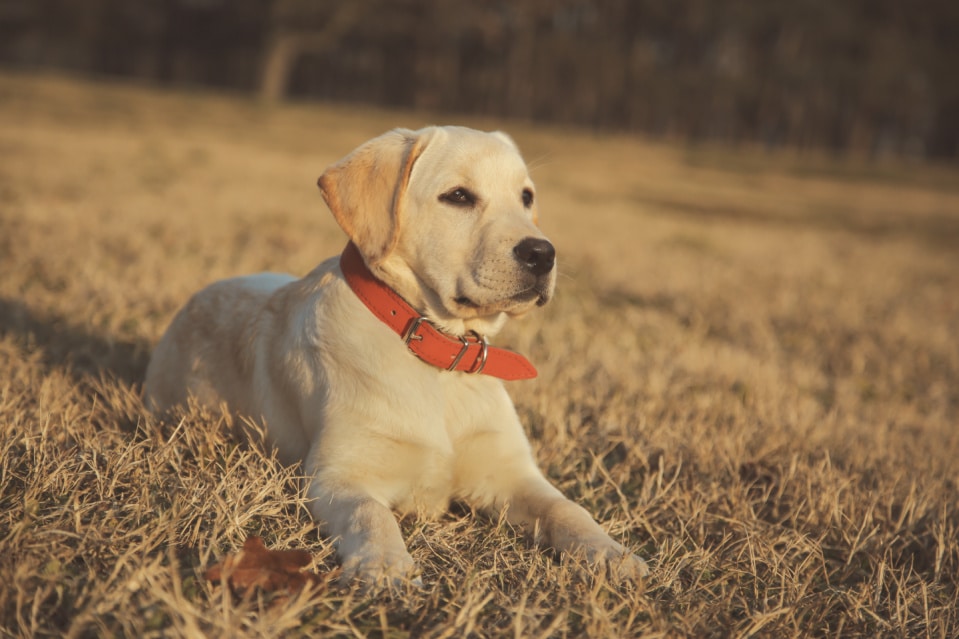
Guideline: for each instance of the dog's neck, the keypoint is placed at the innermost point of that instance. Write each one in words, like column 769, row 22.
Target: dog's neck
column 396, row 274
column 467, row 352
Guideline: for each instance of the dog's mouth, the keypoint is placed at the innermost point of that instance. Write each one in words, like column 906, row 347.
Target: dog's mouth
column 541, row 295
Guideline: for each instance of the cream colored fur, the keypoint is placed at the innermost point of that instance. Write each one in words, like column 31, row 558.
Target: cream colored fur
column 375, row 428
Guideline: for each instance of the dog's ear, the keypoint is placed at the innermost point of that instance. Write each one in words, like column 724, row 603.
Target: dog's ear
column 506, row 138
column 364, row 190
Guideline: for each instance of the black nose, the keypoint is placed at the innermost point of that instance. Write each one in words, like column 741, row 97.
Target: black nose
column 536, row 254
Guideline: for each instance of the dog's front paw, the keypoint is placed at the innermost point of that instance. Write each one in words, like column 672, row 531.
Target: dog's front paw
column 377, row 568
column 626, row 567
column 619, row 564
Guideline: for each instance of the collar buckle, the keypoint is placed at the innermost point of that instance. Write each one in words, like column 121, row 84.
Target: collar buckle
column 414, row 326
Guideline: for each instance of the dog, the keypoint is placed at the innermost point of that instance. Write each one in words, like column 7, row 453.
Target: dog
column 375, row 371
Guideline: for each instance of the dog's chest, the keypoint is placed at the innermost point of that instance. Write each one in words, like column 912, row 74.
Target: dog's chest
column 397, row 426
column 427, row 467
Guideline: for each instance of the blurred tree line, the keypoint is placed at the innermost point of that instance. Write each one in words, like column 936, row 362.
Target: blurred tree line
column 870, row 76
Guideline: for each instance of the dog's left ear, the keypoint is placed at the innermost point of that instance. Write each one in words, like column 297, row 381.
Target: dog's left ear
column 364, row 190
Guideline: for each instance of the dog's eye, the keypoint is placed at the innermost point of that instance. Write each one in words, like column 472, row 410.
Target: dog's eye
column 527, row 198
column 459, row 197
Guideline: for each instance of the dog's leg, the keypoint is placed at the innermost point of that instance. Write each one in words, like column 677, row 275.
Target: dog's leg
column 538, row 507
column 366, row 534
column 496, row 470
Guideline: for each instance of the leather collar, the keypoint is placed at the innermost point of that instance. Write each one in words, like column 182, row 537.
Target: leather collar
column 468, row 354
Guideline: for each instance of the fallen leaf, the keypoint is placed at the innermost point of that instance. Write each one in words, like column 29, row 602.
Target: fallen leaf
column 256, row 567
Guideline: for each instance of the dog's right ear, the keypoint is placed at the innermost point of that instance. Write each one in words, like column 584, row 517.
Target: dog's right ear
column 364, row 190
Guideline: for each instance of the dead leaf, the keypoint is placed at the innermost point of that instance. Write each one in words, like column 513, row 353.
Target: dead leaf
column 256, row 567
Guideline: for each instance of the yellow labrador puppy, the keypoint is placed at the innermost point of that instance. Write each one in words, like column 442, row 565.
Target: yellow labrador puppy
column 374, row 370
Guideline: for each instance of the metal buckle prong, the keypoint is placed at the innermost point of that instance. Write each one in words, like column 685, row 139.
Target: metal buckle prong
column 410, row 333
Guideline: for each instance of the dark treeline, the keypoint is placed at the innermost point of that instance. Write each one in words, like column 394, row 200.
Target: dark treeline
column 869, row 76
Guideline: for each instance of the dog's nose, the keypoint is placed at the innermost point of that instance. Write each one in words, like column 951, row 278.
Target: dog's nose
column 536, row 254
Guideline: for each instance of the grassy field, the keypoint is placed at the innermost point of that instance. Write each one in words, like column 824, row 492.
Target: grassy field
column 750, row 374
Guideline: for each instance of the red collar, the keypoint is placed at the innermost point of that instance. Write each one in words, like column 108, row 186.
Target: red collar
column 470, row 354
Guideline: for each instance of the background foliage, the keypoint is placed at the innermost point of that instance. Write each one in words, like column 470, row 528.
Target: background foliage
column 876, row 77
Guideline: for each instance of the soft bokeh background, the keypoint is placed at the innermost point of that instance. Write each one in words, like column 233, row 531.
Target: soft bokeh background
column 750, row 373
column 876, row 77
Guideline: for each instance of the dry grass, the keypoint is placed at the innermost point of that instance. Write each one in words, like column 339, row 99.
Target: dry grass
column 751, row 373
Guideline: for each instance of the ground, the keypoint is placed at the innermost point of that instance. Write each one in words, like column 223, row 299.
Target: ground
column 750, row 375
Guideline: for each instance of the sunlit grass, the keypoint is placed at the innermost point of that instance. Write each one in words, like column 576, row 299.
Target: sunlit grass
column 750, row 375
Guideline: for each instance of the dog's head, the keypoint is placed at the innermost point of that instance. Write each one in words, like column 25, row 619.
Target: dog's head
column 447, row 217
